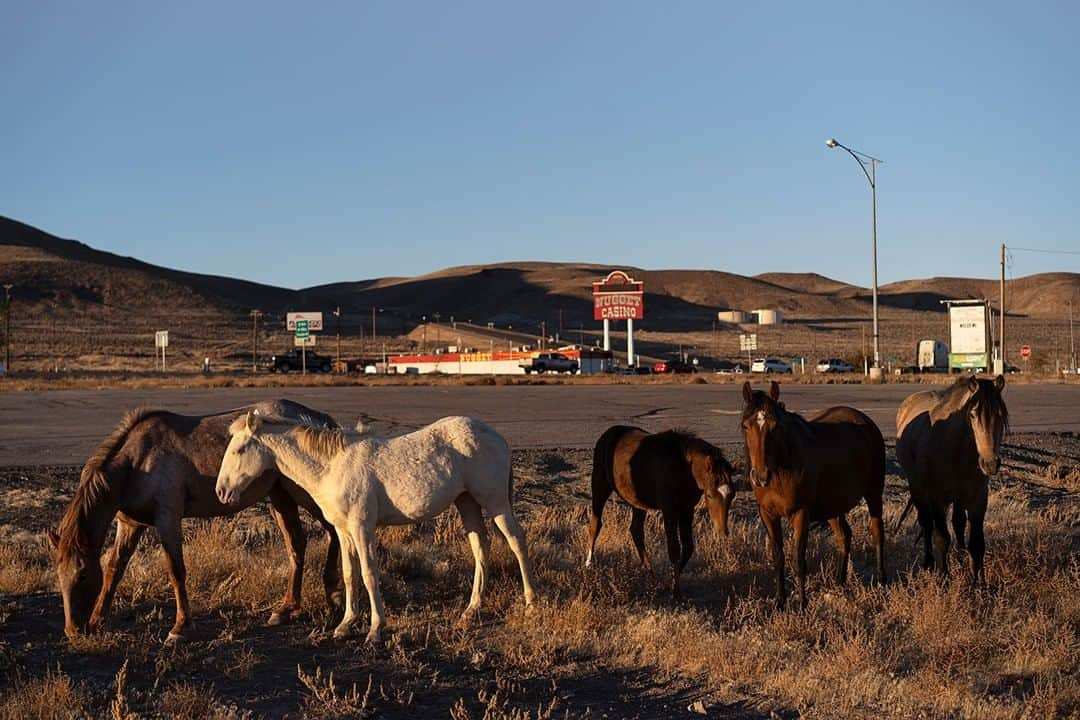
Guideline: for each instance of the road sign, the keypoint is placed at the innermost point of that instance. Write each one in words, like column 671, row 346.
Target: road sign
column 748, row 342
column 314, row 320
column 1025, row 351
column 304, row 341
column 301, row 328
column 161, row 339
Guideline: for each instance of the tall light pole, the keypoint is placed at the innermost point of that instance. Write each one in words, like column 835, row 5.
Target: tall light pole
column 7, row 326
column 865, row 161
column 255, row 315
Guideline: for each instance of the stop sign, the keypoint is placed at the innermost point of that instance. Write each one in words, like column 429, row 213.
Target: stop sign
column 1025, row 351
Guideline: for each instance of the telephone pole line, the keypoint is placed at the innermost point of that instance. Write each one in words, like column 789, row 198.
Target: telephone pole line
column 255, row 315
column 7, row 327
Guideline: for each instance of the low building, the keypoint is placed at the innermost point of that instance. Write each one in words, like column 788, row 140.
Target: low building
column 507, row 362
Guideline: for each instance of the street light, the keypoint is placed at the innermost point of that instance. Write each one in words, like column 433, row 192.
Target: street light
column 865, row 160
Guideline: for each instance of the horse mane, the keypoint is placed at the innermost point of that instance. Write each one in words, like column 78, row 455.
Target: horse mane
column 685, row 441
column 94, row 483
column 321, row 443
column 987, row 398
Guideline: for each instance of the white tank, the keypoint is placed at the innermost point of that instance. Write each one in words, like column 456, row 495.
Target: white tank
column 769, row 317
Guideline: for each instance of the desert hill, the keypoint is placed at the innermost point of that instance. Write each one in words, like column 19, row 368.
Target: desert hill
column 72, row 299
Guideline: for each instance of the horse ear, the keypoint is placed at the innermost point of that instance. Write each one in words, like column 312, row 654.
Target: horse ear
column 774, row 390
column 253, row 421
column 747, row 392
column 973, row 383
column 999, row 382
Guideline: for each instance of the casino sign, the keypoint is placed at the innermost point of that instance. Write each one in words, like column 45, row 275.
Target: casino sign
column 618, row 297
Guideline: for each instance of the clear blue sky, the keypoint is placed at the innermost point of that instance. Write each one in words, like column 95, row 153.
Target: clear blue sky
column 305, row 143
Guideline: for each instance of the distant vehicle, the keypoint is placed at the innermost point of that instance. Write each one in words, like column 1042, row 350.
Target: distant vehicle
column 834, row 365
column 726, row 367
column 292, row 360
column 630, row 370
column 675, row 365
column 932, row 356
column 770, row 365
column 550, row 361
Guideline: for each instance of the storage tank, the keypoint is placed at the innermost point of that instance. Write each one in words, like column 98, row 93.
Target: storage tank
column 733, row 316
column 769, row 317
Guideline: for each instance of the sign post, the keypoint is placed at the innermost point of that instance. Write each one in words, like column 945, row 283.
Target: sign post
column 1025, row 352
column 161, row 340
column 619, row 297
column 748, row 343
column 302, row 334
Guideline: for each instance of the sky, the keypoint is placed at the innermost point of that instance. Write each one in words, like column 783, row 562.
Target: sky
column 305, row 143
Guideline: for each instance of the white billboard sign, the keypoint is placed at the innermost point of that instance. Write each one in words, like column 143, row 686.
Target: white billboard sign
column 161, row 339
column 314, row 320
column 748, row 342
column 967, row 324
column 305, row 341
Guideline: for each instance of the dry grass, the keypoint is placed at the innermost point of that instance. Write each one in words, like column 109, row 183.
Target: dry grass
column 920, row 647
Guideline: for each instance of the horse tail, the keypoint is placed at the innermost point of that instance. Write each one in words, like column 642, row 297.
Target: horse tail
column 907, row 509
column 94, row 484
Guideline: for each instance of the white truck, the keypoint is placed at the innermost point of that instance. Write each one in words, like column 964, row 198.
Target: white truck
column 932, row 356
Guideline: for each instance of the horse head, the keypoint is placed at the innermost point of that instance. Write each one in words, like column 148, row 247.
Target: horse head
column 988, row 418
column 78, row 570
column 714, row 476
column 246, row 458
column 762, row 431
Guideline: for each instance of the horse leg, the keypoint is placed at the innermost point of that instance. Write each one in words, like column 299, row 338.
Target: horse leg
column 637, row 534
column 671, row 532
column 168, row 528
column 941, row 539
column 515, row 538
column 600, row 494
column 776, row 542
column 364, row 540
column 800, row 528
column 959, row 520
column 473, row 520
column 926, row 524
column 349, row 561
column 842, row 534
column 876, row 509
column 292, row 531
column 127, row 539
column 977, row 543
column 686, row 539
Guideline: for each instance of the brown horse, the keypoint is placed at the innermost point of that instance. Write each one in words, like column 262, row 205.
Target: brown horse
column 669, row 472
column 949, row 443
column 154, row 469
column 813, row 471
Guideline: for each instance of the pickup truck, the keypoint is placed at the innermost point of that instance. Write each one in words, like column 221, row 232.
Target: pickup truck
column 554, row 362
column 292, row 360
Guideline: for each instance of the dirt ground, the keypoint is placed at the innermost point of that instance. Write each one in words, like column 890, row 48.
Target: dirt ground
column 571, row 658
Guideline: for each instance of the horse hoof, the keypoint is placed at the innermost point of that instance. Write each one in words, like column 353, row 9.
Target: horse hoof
column 275, row 619
column 372, row 638
column 340, row 632
column 173, row 639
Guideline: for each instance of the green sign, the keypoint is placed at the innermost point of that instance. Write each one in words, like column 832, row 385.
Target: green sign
column 968, row 361
column 302, row 328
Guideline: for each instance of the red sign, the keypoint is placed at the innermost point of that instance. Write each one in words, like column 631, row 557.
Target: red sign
column 618, row 297
column 1025, row 351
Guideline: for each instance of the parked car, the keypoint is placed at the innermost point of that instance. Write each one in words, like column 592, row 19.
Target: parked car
column 770, row 365
column 674, row 365
column 726, row 367
column 834, row 365
column 292, row 360
column 555, row 362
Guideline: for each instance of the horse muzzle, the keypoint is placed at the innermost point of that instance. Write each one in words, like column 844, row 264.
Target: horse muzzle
column 990, row 466
column 227, row 496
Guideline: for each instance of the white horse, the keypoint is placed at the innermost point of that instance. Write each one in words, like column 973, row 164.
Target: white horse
column 363, row 481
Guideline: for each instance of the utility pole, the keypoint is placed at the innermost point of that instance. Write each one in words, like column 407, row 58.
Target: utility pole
column 255, row 315
column 7, row 327
column 373, row 333
column 1001, row 334
column 543, row 334
column 337, row 314
column 1072, row 342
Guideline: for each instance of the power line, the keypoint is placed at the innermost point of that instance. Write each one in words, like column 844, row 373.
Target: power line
column 1042, row 250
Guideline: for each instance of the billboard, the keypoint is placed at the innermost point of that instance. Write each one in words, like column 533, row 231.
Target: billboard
column 314, row 320
column 969, row 335
column 618, row 297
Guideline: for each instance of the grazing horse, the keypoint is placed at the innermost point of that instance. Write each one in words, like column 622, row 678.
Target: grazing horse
column 154, row 469
column 364, row 481
column 813, row 471
column 669, row 472
column 948, row 444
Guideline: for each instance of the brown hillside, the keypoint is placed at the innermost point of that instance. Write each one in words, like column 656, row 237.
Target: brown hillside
column 808, row 282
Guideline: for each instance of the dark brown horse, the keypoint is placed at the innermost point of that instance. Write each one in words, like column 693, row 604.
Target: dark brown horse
column 949, row 443
column 154, row 469
column 813, row 471
column 669, row 472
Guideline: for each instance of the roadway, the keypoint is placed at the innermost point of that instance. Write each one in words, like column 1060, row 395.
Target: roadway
column 62, row 427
